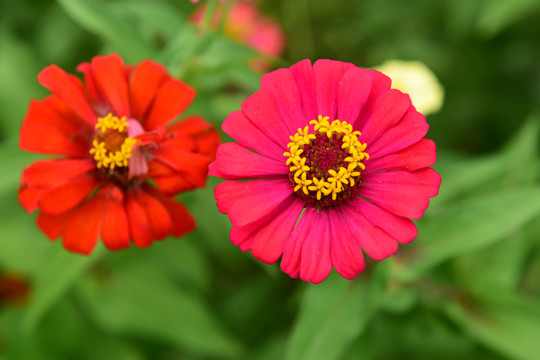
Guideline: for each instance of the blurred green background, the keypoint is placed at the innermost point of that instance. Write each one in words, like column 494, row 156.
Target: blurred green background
column 468, row 287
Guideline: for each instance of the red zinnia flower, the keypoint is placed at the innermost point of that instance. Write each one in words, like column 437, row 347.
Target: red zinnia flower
column 325, row 189
column 112, row 134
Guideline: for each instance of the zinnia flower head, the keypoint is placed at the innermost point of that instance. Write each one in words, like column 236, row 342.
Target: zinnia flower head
column 112, row 136
column 245, row 24
column 339, row 166
column 417, row 80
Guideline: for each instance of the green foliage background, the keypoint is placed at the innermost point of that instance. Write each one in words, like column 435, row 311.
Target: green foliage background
column 468, row 287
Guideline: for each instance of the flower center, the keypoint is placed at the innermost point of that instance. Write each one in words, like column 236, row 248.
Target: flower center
column 326, row 164
column 112, row 146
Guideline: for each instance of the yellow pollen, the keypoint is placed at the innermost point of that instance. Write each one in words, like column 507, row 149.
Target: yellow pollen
column 106, row 153
column 335, row 180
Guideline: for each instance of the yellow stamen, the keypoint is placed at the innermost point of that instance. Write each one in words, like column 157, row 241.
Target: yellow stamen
column 335, row 181
column 113, row 155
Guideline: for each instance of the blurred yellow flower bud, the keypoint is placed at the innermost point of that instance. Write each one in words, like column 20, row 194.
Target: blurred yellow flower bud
column 417, row 80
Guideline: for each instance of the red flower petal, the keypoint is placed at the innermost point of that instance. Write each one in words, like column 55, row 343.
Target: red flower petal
column 175, row 184
column 67, row 196
column 415, row 157
column 70, row 89
column 158, row 217
column 236, row 162
column 203, row 134
column 316, row 259
column 238, row 126
column 193, row 166
column 53, row 225
column 326, row 75
column 403, row 193
column 114, row 226
column 52, row 173
column 28, row 197
column 90, row 82
column 48, row 131
column 139, row 228
column 181, row 219
column 170, row 101
column 144, row 83
column 109, row 76
column 82, row 230
column 346, row 250
column 373, row 240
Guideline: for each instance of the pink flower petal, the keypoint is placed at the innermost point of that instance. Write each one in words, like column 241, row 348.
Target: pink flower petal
column 388, row 110
column 407, row 132
column 235, row 162
column 254, row 206
column 261, row 110
column 228, row 192
column 281, row 86
column 238, row 126
column 353, row 92
column 303, row 75
column 379, row 85
column 346, row 251
column 316, row 260
column 327, row 75
column 403, row 193
column 292, row 251
column 415, row 157
column 400, row 228
column 373, row 240
column 269, row 240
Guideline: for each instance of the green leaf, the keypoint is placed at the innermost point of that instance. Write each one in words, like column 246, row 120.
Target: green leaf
column 137, row 298
column 471, row 225
column 511, row 166
column 57, row 275
column 159, row 16
column 506, row 322
column 18, row 70
column 498, row 14
column 333, row 314
column 100, row 18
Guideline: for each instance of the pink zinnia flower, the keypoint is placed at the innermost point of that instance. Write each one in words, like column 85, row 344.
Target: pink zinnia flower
column 340, row 166
column 245, row 24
